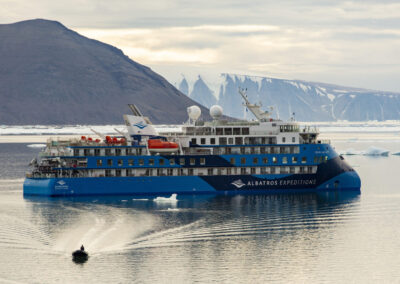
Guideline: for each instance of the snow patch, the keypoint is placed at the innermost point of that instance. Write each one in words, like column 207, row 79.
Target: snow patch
column 36, row 145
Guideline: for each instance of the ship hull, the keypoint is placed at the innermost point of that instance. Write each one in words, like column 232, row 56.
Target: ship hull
column 236, row 184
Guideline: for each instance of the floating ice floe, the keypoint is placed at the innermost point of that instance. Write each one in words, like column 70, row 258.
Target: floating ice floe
column 396, row 153
column 350, row 152
column 36, row 145
column 166, row 199
column 375, row 151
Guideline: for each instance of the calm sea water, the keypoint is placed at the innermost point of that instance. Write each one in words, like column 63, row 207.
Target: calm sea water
column 310, row 238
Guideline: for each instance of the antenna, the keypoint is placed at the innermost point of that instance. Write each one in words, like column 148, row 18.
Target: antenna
column 254, row 108
column 135, row 110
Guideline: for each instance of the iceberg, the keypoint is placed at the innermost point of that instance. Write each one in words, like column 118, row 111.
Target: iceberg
column 375, row 151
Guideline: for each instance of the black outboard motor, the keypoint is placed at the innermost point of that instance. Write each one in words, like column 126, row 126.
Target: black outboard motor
column 80, row 255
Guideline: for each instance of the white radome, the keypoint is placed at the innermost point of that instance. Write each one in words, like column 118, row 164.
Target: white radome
column 194, row 112
column 216, row 111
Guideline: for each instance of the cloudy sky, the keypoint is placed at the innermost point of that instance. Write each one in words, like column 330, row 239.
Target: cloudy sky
column 352, row 43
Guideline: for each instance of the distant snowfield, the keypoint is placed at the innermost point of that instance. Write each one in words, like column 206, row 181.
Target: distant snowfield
column 324, row 127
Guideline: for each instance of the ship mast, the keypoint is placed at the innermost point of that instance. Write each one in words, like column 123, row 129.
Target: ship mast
column 254, row 108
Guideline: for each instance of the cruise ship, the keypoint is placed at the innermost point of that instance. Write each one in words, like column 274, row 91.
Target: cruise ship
column 263, row 155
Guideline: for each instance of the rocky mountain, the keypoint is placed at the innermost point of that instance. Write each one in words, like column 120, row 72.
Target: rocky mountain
column 52, row 75
column 309, row 101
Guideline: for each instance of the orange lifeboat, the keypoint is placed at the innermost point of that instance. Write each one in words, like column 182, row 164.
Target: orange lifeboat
column 157, row 145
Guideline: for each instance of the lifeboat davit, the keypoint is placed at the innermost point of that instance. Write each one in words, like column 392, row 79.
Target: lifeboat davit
column 157, row 145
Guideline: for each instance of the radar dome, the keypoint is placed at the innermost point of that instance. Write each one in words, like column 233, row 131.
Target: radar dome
column 194, row 112
column 216, row 111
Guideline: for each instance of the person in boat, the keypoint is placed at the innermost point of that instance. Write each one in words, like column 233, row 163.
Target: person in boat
column 82, row 248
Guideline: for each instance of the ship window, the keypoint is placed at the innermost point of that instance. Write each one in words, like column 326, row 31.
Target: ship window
column 301, row 170
column 118, row 173
column 203, row 141
column 182, row 161
column 292, row 170
column 161, row 162
column 99, row 163
column 294, row 160
column 232, row 161
column 245, row 131
column 304, row 160
column 172, row 162
column 117, row 152
column 192, row 161
column 274, row 160
column 151, row 162
column 108, row 173
column 310, row 170
column 109, row 162
column 238, row 140
column 281, row 150
column 190, row 172
column 222, row 141
column 265, row 160
column 170, row 172
column 255, row 160
column 97, row 152
column 283, row 139
column 76, row 152
column 272, row 170
column 228, row 131
column 219, row 131
column 243, row 161
column 284, row 160
column 202, row 161
column 315, row 159
column 284, row 170
column 141, row 162
column 243, row 171
column 194, row 142
column 253, row 171
column 119, row 163
column 212, row 141
column 230, row 140
column 236, row 131
column 293, row 139
column 210, row 172
column 130, row 162
column 108, row 152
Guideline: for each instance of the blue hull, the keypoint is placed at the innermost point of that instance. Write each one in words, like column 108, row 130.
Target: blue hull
column 189, row 185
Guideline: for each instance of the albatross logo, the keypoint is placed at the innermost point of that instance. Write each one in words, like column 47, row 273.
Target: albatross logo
column 61, row 182
column 140, row 125
column 238, row 183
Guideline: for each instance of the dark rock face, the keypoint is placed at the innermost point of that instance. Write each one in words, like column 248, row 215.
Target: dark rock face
column 52, row 75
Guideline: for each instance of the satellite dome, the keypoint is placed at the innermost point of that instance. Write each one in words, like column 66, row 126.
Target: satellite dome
column 194, row 112
column 216, row 111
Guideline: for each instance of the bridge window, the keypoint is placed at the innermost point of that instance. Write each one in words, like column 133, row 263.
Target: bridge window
column 212, row 141
column 245, row 131
column 230, row 140
column 238, row 140
column 203, row 141
column 236, row 131
column 228, row 131
column 219, row 131
column 194, row 142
